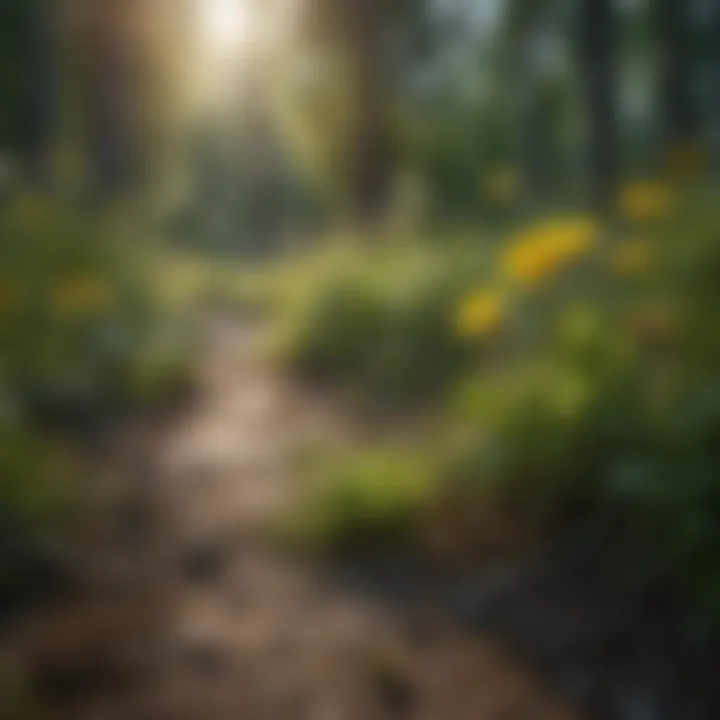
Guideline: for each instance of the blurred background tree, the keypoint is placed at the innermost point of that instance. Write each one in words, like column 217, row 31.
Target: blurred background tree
column 29, row 98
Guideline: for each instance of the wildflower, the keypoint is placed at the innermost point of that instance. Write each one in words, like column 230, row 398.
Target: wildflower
column 480, row 314
column 502, row 185
column 632, row 258
column 529, row 262
column 539, row 252
column 80, row 296
column 646, row 200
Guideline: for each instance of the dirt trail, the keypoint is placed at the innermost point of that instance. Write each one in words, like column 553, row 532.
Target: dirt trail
column 210, row 622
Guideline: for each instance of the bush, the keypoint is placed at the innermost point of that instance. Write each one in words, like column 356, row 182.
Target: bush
column 81, row 339
column 615, row 403
column 76, row 312
column 367, row 501
column 379, row 327
column 39, row 478
column 591, row 385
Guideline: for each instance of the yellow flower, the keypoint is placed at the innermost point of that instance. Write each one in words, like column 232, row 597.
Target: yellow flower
column 646, row 200
column 81, row 296
column 502, row 185
column 480, row 314
column 686, row 160
column 542, row 250
column 632, row 258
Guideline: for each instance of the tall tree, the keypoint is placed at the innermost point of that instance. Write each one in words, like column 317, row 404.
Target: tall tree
column 679, row 107
column 712, row 76
column 369, row 143
column 597, row 45
column 110, row 77
column 530, row 43
column 352, row 41
column 28, row 83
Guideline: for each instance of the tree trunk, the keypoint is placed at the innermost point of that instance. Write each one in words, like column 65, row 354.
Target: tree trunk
column 537, row 129
column 679, row 112
column 352, row 37
column 28, row 85
column 714, row 82
column 370, row 156
column 111, row 93
column 597, row 36
column 43, row 91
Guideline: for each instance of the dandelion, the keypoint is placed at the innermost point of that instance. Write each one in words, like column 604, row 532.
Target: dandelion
column 632, row 258
column 502, row 185
column 529, row 262
column 81, row 296
column 480, row 314
column 644, row 201
column 539, row 252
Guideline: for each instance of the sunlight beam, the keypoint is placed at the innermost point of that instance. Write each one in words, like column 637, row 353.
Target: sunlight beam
column 224, row 26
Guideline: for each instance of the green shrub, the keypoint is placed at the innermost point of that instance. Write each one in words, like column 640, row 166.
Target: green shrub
column 614, row 406
column 76, row 311
column 380, row 328
column 602, row 395
column 39, row 479
column 81, row 339
column 369, row 500
column 344, row 327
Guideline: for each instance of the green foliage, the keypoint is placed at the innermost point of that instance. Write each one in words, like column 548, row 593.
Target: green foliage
column 602, row 395
column 21, row 93
column 81, row 339
column 378, row 325
column 78, row 323
column 34, row 474
column 616, row 405
column 342, row 328
column 39, row 481
column 367, row 501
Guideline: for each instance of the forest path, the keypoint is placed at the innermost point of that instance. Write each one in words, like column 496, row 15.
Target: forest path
column 213, row 622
